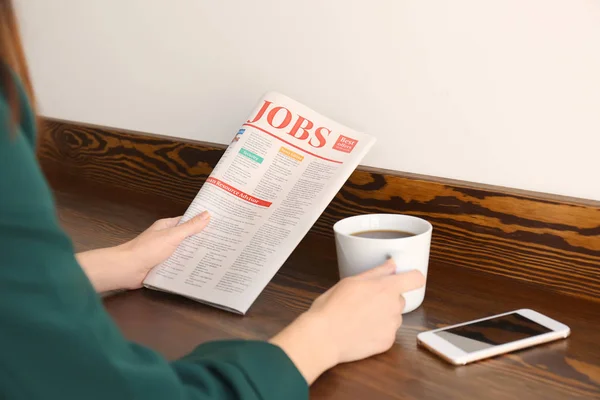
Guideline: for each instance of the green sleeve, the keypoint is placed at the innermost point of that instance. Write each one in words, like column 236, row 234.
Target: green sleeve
column 57, row 341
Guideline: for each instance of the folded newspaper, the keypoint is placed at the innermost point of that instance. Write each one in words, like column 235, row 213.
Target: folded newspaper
column 283, row 167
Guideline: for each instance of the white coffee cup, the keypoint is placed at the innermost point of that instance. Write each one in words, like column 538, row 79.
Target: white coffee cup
column 357, row 254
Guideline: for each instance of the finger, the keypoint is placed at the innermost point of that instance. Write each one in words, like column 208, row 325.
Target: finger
column 401, row 306
column 165, row 223
column 190, row 227
column 385, row 269
column 406, row 281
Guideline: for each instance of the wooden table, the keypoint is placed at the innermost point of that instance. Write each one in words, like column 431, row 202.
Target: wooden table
column 172, row 325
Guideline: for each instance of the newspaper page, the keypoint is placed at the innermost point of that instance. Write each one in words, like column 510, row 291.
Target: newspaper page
column 282, row 169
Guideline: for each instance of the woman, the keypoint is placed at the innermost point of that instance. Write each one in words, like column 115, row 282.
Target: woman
column 57, row 341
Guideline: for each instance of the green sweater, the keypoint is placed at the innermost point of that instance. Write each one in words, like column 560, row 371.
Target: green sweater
column 56, row 339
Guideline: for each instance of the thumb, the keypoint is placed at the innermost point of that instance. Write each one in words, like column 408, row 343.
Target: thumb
column 190, row 227
column 385, row 269
column 407, row 281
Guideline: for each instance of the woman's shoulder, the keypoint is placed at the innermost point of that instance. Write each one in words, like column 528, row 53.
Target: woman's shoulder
column 5, row 120
column 11, row 129
column 24, row 191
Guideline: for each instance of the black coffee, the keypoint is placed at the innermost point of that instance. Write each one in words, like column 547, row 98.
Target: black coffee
column 383, row 234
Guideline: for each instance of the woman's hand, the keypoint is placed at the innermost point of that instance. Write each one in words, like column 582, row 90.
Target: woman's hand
column 355, row 319
column 126, row 266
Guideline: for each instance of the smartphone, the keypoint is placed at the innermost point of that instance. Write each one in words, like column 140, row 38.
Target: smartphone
column 488, row 337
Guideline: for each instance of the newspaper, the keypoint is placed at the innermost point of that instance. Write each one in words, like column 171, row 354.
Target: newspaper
column 282, row 169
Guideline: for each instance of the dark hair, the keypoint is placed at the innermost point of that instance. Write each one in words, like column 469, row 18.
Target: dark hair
column 12, row 62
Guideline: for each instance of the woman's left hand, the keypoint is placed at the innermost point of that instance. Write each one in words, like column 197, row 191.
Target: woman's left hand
column 125, row 266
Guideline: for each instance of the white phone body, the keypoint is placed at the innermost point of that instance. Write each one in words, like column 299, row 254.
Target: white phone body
column 452, row 345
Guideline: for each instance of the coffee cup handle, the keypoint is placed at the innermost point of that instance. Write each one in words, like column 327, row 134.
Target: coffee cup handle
column 402, row 261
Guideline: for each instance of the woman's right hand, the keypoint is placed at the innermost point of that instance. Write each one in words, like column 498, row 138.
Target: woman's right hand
column 355, row 319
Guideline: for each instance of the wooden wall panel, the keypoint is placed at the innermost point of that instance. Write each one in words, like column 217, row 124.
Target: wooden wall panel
column 542, row 239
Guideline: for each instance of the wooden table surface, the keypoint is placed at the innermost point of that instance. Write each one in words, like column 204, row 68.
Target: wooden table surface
column 172, row 325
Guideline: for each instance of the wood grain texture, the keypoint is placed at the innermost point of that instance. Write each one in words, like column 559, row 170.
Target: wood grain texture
column 539, row 239
column 174, row 325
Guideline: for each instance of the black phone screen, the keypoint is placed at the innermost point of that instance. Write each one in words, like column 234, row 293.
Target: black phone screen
column 492, row 332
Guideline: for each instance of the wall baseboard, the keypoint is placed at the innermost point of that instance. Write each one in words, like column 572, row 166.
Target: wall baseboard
column 548, row 240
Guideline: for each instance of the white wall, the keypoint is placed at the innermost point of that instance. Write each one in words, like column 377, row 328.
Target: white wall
column 500, row 92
